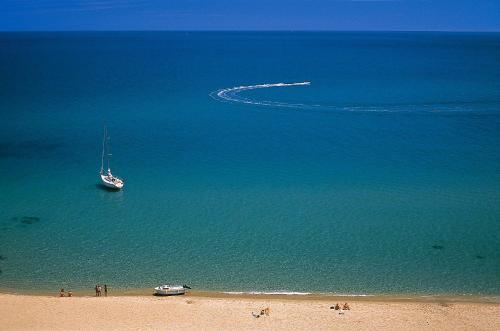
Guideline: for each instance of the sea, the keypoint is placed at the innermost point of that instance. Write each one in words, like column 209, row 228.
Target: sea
column 348, row 163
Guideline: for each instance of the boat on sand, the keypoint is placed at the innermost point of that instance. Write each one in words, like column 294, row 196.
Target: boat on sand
column 171, row 289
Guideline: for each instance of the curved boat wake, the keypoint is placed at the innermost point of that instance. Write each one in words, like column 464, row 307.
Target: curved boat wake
column 231, row 94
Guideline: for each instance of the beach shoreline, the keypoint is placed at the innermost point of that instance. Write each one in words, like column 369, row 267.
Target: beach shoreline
column 270, row 295
column 196, row 311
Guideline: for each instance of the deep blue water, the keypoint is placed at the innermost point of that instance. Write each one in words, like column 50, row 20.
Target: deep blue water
column 382, row 176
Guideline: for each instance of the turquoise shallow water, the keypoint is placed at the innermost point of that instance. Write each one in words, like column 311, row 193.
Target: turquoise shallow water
column 382, row 176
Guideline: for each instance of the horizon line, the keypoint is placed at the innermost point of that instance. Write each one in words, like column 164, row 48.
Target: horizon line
column 247, row 30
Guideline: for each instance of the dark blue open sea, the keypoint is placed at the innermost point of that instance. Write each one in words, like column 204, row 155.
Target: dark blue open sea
column 381, row 176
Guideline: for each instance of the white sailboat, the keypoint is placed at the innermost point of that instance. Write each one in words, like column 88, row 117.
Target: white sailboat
column 107, row 178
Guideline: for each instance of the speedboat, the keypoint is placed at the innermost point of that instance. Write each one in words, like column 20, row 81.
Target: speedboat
column 170, row 290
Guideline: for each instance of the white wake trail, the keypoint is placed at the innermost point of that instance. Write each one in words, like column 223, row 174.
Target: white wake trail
column 231, row 94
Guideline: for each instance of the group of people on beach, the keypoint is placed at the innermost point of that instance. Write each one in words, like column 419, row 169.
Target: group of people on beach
column 98, row 291
column 63, row 294
column 345, row 306
column 99, row 288
column 265, row 311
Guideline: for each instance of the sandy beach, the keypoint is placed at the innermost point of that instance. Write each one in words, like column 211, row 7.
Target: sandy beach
column 202, row 312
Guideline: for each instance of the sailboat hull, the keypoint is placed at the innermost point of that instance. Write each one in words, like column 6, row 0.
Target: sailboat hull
column 117, row 184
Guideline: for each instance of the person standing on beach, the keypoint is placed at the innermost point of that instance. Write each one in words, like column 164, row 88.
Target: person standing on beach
column 96, row 294
column 105, row 290
column 99, row 290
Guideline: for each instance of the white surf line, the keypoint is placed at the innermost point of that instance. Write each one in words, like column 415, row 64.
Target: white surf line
column 268, row 293
column 230, row 94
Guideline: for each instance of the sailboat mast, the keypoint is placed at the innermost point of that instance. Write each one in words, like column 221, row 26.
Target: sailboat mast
column 103, row 147
column 107, row 151
column 109, row 168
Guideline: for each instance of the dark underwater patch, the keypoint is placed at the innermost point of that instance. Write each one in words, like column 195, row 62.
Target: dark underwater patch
column 26, row 219
column 30, row 219
column 17, row 149
column 2, row 258
column 437, row 247
column 479, row 257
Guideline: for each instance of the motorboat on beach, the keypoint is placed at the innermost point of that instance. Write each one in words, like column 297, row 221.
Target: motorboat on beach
column 107, row 178
column 171, row 289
